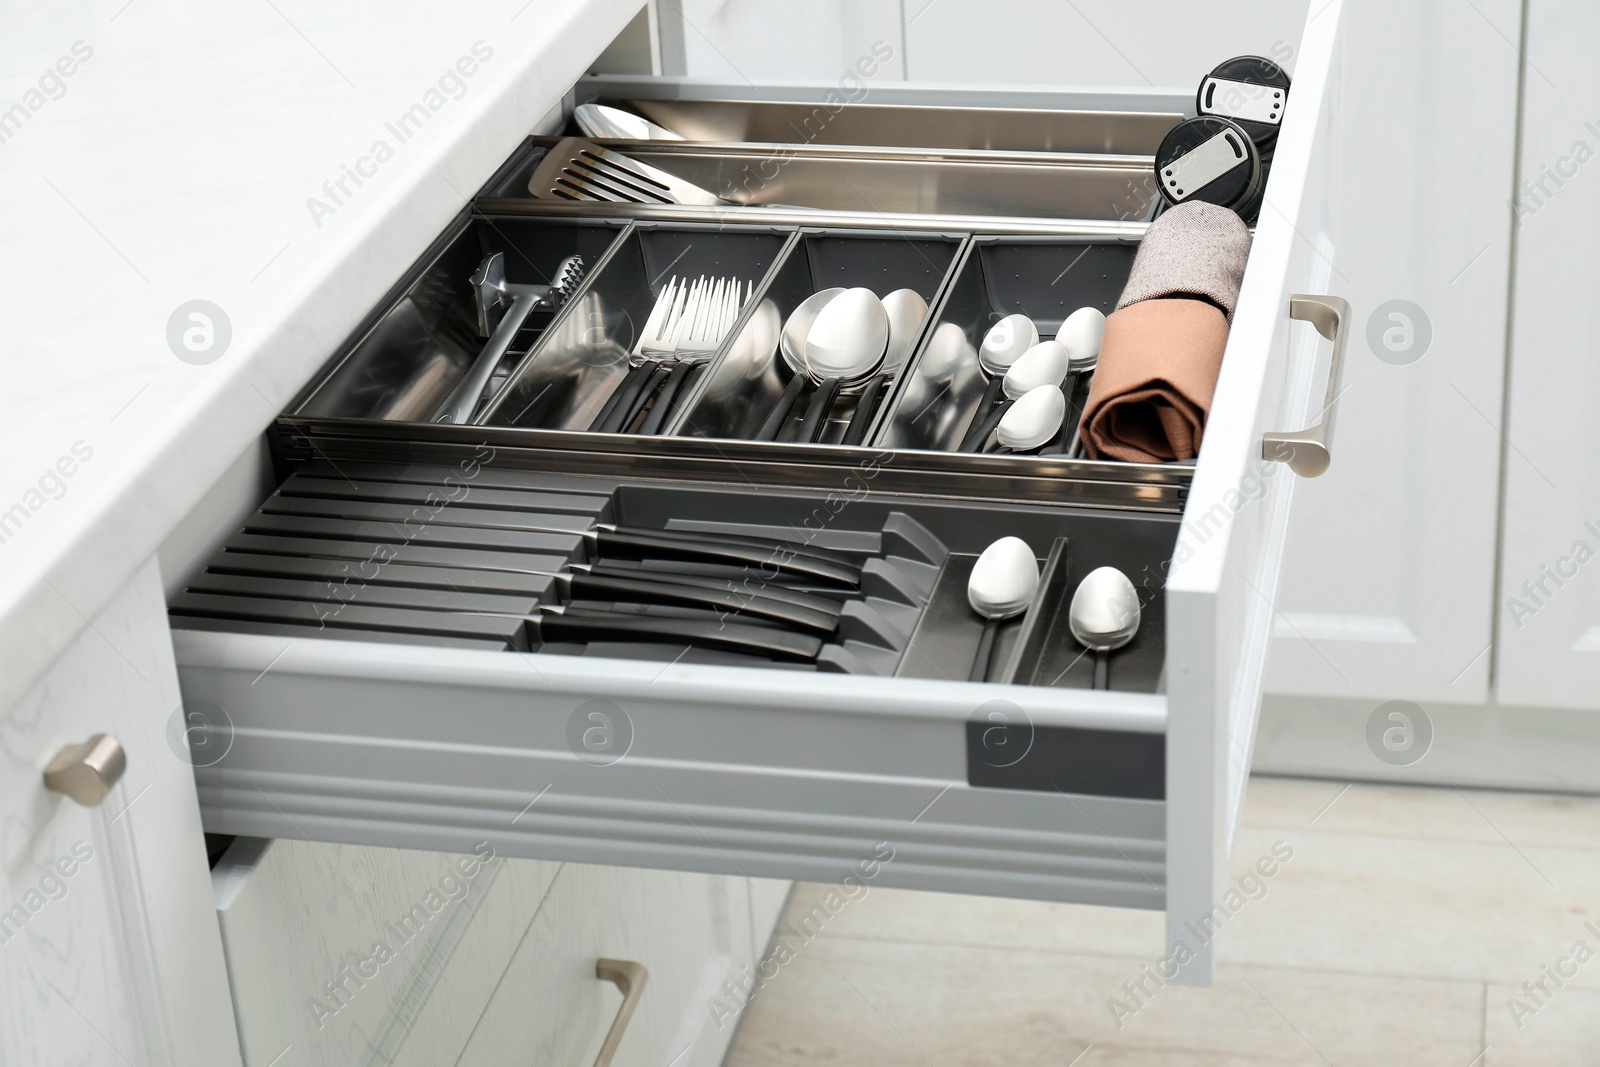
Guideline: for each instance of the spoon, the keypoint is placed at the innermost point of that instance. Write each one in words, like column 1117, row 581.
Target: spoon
column 1104, row 616
column 1002, row 346
column 792, row 345
column 1032, row 419
column 1046, row 363
column 844, row 346
column 906, row 310
column 1081, row 335
column 1001, row 586
column 946, row 351
column 599, row 120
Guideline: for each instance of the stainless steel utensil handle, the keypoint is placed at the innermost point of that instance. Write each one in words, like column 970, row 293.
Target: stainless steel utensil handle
column 630, row 977
column 86, row 772
column 464, row 401
column 1307, row 451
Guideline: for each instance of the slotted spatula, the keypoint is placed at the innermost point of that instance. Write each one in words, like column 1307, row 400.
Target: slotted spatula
column 576, row 169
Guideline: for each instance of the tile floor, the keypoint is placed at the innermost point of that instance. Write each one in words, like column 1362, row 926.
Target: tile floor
column 1399, row 932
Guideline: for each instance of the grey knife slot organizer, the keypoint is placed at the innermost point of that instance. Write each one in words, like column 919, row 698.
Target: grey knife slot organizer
column 1045, row 278
column 471, row 556
column 586, row 355
column 748, row 380
column 406, row 360
column 1043, row 650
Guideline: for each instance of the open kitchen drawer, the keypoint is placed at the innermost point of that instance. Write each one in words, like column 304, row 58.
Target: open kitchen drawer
column 1127, row 797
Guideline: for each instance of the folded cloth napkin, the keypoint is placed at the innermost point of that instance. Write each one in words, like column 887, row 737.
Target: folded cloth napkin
column 1194, row 249
column 1150, row 393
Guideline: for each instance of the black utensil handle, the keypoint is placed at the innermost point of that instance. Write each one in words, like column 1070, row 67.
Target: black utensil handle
column 669, row 388
column 980, row 661
column 675, row 387
column 639, row 546
column 743, row 587
column 730, row 637
column 1102, row 671
column 816, row 417
column 866, row 406
column 991, row 393
column 773, row 425
column 988, row 427
column 1069, row 421
column 651, row 385
column 614, row 398
column 1077, row 402
column 656, row 611
column 626, row 395
column 723, row 600
column 771, row 544
column 739, row 574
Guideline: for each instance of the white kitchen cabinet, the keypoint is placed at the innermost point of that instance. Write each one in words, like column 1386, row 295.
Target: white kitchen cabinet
column 1548, row 610
column 107, row 950
column 1128, row 43
column 691, row 932
column 732, row 771
column 344, row 954
column 339, row 954
column 1389, row 570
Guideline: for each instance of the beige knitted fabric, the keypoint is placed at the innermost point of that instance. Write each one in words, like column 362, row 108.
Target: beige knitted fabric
column 1194, row 249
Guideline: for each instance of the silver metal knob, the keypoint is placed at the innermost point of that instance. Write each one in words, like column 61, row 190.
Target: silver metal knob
column 86, row 772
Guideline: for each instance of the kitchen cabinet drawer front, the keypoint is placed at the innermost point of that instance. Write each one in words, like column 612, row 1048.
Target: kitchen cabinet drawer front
column 349, row 954
column 106, row 951
column 354, row 955
column 692, row 934
column 1224, row 572
column 805, row 775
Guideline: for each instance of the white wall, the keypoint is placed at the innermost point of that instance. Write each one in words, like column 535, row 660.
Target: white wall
column 1087, row 42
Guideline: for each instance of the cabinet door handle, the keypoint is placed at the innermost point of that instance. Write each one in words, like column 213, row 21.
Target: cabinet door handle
column 1306, row 451
column 87, row 771
column 629, row 976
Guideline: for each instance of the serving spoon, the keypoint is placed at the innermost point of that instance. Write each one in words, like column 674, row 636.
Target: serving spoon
column 1001, row 586
column 844, row 346
column 906, row 310
column 1104, row 616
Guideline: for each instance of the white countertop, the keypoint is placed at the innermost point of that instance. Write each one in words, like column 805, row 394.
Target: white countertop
column 175, row 163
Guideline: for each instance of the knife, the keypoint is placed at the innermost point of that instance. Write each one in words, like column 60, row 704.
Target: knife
column 553, row 624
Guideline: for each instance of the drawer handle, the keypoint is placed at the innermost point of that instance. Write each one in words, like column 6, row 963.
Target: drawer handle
column 1306, row 452
column 628, row 976
column 86, row 772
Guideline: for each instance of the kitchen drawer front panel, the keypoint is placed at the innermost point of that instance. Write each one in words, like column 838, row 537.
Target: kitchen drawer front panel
column 724, row 770
column 692, row 934
column 357, row 955
column 1224, row 575
column 796, row 774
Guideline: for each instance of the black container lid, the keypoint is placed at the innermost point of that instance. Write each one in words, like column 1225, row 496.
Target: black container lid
column 1250, row 90
column 1210, row 159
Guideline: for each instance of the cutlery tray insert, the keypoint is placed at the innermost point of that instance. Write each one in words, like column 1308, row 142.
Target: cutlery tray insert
column 1044, row 278
column 408, row 357
column 469, row 556
column 871, row 181
column 749, row 380
column 588, row 354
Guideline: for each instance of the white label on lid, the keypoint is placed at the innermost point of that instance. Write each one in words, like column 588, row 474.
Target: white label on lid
column 1203, row 164
column 1242, row 100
